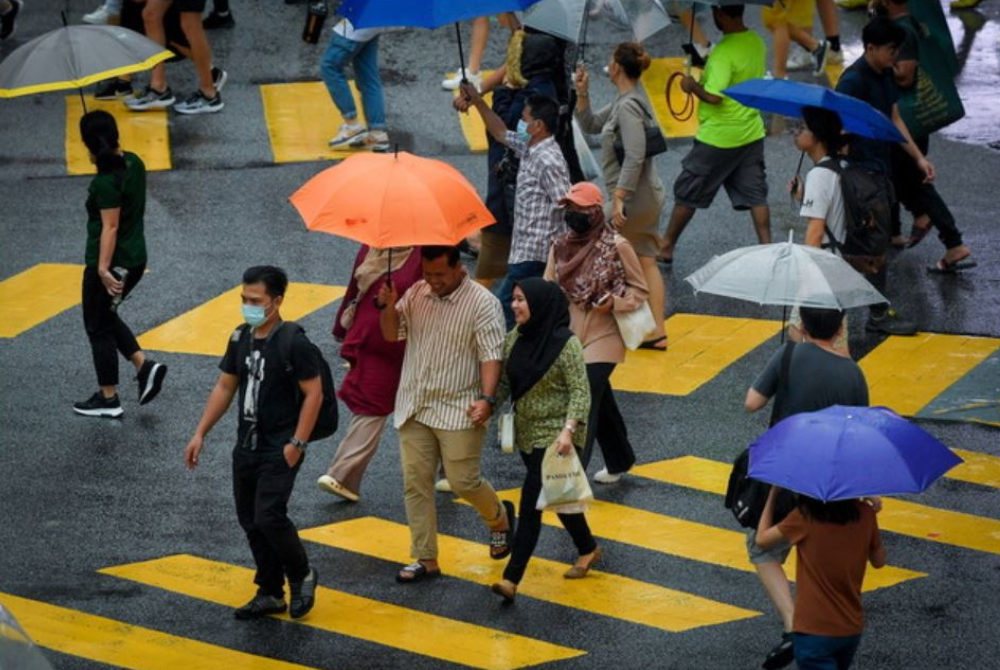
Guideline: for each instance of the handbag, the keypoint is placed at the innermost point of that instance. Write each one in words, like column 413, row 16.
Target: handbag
column 636, row 325
column 564, row 482
column 656, row 144
column 933, row 101
column 507, row 432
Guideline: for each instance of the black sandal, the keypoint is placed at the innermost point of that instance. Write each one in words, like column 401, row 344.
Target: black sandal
column 504, row 539
column 419, row 571
column 651, row 344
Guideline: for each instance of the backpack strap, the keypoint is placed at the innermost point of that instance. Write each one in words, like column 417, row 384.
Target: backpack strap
column 782, row 392
column 835, row 167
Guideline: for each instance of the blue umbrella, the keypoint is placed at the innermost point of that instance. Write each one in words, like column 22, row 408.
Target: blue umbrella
column 841, row 453
column 779, row 96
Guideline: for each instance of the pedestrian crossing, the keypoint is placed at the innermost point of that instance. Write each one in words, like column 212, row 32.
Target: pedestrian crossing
column 656, row 82
column 146, row 134
column 301, row 119
column 36, row 295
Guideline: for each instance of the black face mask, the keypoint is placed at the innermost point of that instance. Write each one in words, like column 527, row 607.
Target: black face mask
column 578, row 222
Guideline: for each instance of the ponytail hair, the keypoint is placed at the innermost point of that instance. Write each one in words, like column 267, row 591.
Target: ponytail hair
column 632, row 58
column 100, row 135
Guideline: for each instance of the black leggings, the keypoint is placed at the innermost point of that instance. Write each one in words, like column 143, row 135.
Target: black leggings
column 529, row 522
column 105, row 329
column 605, row 423
column 920, row 198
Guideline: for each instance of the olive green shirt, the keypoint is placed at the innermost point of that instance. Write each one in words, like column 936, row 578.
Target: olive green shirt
column 561, row 395
column 129, row 194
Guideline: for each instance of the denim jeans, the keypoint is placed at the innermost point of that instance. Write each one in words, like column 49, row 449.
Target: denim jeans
column 364, row 57
column 515, row 273
column 820, row 652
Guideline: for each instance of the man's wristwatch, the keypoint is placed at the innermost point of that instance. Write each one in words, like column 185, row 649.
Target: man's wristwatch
column 491, row 399
column 298, row 444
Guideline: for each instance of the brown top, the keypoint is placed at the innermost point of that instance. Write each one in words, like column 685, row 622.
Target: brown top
column 831, row 567
column 602, row 341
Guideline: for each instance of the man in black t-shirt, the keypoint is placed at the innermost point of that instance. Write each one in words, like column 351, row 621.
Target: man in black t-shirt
column 280, row 394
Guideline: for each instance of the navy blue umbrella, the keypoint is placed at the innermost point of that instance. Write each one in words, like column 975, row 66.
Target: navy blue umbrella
column 779, row 96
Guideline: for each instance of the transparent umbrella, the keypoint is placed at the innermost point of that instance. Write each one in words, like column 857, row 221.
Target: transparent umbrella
column 568, row 18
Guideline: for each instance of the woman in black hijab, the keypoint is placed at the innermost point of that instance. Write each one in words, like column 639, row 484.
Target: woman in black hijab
column 545, row 377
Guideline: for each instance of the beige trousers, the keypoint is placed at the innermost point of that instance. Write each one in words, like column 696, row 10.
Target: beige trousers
column 422, row 450
column 356, row 450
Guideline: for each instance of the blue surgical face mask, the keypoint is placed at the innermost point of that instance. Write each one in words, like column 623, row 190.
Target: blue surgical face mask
column 255, row 315
column 522, row 131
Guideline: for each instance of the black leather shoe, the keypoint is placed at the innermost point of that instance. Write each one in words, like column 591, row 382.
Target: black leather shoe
column 781, row 655
column 303, row 595
column 261, row 606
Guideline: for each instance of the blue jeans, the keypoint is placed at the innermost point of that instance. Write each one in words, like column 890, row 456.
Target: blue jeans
column 515, row 273
column 364, row 57
column 819, row 652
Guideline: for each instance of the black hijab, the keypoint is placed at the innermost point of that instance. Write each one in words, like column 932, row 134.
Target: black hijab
column 542, row 337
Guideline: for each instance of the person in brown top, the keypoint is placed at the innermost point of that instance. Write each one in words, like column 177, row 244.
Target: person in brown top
column 835, row 542
column 600, row 273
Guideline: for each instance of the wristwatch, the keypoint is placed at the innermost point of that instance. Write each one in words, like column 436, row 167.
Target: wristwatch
column 491, row 399
column 298, row 444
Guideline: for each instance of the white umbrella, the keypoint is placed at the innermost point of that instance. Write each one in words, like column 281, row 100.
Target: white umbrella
column 565, row 18
column 786, row 274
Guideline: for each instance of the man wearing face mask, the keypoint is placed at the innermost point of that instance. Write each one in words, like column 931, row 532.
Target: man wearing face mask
column 542, row 179
column 279, row 401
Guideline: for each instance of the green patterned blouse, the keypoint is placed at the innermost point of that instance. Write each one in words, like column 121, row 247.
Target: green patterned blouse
column 562, row 394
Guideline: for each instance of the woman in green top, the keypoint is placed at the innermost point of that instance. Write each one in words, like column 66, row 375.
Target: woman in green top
column 545, row 377
column 115, row 261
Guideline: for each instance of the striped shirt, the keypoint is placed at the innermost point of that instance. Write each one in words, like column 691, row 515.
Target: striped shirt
column 542, row 180
column 446, row 340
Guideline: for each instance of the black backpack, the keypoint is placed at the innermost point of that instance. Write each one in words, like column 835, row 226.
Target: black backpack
column 283, row 334
column 868, row 199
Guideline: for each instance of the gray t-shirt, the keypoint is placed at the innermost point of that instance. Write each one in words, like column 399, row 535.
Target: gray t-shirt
column 817, row 379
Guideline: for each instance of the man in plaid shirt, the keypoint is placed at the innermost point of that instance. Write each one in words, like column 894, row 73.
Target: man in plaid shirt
column 542, row 179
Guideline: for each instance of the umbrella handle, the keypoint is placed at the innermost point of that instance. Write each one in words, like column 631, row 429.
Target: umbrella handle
column 461, row 52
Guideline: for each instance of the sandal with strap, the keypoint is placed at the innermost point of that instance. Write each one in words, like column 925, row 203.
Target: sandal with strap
column 503, row 539
column 917, row 235
column 944, row 267
column 419, row 571
column 651, row 344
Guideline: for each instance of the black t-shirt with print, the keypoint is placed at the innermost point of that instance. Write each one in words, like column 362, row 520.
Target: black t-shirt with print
column 269, row 394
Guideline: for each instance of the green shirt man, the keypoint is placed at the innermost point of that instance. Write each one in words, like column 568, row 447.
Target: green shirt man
column 737, row 57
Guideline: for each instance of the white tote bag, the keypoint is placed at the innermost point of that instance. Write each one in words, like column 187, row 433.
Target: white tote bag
column 507, row 432
column 636, row 326
column 565, row 488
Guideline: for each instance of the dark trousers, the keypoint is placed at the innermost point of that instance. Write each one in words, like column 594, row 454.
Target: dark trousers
column 262, row 484
column 605, row 423
column 820, row 652
column 529, row 521
column 919, row 198
column 108, row 334
column 515, row 273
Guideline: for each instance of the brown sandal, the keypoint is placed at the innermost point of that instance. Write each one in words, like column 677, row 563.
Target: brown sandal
column 579, row 572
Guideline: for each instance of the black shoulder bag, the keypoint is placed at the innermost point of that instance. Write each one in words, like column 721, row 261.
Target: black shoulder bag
column 655, row 142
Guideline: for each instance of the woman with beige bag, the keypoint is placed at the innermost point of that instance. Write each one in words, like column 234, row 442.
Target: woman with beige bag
column 545, row 378
column 601, row 275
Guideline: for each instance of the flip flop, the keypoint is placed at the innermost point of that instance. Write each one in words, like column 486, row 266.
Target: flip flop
column 651, row 344
column 664, row 261
column 917, row 235
column 943, row 267
column 504, row 539
column 419, row 571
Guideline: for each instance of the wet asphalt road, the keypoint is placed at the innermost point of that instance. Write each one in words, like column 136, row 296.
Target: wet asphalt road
column 77, row 495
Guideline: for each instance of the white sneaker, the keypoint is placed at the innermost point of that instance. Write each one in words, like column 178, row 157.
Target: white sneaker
column 799, row 59
column 331, row 485
column 442, row 486
column 376, row 140
column 605, row 477
column 835, row 57
column 451, row 83
column 99, row 17
column 348, row 132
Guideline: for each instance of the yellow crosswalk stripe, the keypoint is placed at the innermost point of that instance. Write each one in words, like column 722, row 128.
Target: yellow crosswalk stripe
column 146, row 134
column 907, row 373
column 36, row 295
column 123, row 645
column 472, row 124
column 700, row 348
column 688, row 539
column 654, row 80
column 897, row 516
column 977, row 469
column 345, row 614
column 301, row 119
column 206, row 328
column 601, row 593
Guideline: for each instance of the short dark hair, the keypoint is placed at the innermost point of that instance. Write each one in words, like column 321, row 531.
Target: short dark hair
column 735, row 11
column 435, row 251
column 274, row 279
column 820, row 322
column 881, row 31
column 826, row 126
column 841, row 512
column 544, row 109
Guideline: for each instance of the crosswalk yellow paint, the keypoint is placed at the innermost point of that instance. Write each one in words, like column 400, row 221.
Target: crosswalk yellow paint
column 907, row 373
column 601, row 593
column 700, row 348
column 146, row 134
column 472, row 124
column 123, row 645
column 977, row 469
column 688, row 539
column 346, row 614
column 206, row 328
column 301, row 119
column 897, row 516
column 36, row 295
column 655, row 80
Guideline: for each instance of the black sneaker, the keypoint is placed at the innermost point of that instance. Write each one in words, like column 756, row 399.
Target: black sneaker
column 219, row 78
column 8, row 20
column 781, row 655
column 303, row 595
column 215, row 20
column 113, row 89
column 890, row 323
column 150, row 380
column 98, row 405
column 260, row 606
column 819, row 58
column 199, row 104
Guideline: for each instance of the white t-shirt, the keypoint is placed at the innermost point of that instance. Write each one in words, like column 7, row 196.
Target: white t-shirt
column 346, row 29
column 823, row 199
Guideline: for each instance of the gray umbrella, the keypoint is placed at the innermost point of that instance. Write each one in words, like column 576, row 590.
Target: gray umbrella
column 567, row 18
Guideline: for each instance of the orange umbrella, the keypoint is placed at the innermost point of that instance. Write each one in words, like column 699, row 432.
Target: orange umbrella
column 392, row 200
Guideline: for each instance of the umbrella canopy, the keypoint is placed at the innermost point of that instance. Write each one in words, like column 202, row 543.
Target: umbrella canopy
column 423, row 13
column 785, row 274
column 779, row 96
column 77, row 56
column 392, row 200
column 841, row 453
column 565, row 18
column 720, row 3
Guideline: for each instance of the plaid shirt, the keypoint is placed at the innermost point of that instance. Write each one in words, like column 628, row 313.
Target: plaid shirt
column 542, row 180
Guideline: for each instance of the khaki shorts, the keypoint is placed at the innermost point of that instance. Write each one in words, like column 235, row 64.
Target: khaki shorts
column 494, row 249
column 796, row 12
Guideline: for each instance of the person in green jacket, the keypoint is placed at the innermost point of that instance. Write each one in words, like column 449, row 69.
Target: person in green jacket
column 545, row 377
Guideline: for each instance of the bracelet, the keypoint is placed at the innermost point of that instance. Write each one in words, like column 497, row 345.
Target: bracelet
column 571, row 429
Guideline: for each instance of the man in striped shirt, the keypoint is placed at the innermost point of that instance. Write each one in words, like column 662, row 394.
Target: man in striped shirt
column 542, row 181
column 453, row 329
